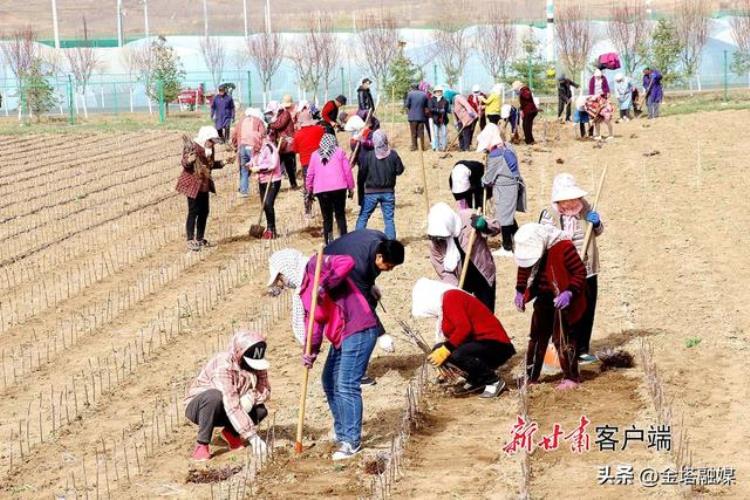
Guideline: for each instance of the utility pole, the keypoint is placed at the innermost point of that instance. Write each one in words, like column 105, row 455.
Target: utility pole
column 55, row 26
column 244, row 14
column 205, row 18
column 268, row 16
column 145, row 18
column 550, row 55
column 119, row 23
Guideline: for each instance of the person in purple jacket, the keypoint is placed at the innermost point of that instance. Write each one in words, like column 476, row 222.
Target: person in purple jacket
column 598, row 84
column 653, row 91
column 346, row 316
column 222, row 113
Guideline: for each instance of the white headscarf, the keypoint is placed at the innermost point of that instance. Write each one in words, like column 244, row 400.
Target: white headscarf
column 460, row 178
column 443, row 222
column 255, row 113
column 489, row 138
column 206, row 133
column 427, row 302
column 291, row 263
column 532, row 240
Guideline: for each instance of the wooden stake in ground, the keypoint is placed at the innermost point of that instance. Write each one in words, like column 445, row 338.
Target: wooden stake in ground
column 590, row 228
column 308, row 349
column 467, row 256
column 424, row 177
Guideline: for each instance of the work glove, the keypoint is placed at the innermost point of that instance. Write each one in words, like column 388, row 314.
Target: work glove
column 479, row 223
column 385, row 342
column 309, row 359
column 438, row 355
column 593, row 218
column 260, row 449
column 520, row 302
column 563, row 300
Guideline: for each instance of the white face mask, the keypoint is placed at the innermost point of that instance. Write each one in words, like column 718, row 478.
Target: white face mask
column 208, row 151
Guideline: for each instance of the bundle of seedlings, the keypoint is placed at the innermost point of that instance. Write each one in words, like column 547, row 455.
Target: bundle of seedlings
column 448, row 371
column 612, row 359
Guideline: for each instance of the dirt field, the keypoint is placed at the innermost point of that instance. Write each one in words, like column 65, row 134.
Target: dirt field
column 105, row 318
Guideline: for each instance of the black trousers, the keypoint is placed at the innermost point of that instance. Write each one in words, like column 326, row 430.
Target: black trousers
column 268, row 208
column 586, row 324
column 207, row 411
column 563, row 104
column 223, row 134
column 417, row 134
column 473, row 197
column 528, row 127
column 476, row 284
column 508, row 232
column 546, row 324
column 289, row 160
column 333, row 203
column 467, row 134
column 494, row 119
column 197, row 216
column 480, row 359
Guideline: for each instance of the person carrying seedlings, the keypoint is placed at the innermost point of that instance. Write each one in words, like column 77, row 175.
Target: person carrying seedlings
column 449, row 233
column 598, row 85
column 564, row 96
column 267, row 166
column 281, row 132
column 474, row 339
column 346, row 317
column 503, row 176
column 466, row 121
column 465, row 182
column 624, row 92
column 416, row 103
column 247, row 138
column 550, row 271
column 475, row 101
column 329, row 178
column 570, row 212
column 230, row 392
column 652, row 89
column 306, row 142
column 601, row 111
column 529, row 110
column 492, row 104
column 222, row 113
column 376, row 182
column 365, row 102
column 196, row 184
column 330, row 114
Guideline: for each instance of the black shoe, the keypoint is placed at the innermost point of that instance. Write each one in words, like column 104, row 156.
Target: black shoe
column 367, row 381
column 493, row 390
column 468, row 388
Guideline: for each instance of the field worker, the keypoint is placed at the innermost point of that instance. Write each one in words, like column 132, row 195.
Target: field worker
column 581, row 116
column 465, row 182
column 652, row 89
column 475, row 340
column 564, row 95
column 281, row 132
column 624, row 92
column 378, row 171
column 230, row 392
column 466, row 120
column 302, row 107
column 196, row 183
column 346, row 318
column 439, row 118
column 569, row 212
column 267, row 166
column 365, row 102
column 286, row 269
column 492, row 104
column 416, row 103
column 329, row 178
column 449, row 233
column 306, row 142
column 550, row 271
column 503, row 176
column 510, row 116
column 247, row 138
column 364, row 137
column 598, row 84
column 529, row 110
column 330, row 114
column 222, row 113
column 475, row 100
column 601, row 111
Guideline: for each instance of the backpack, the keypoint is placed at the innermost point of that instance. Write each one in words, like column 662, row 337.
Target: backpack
column 610, row 60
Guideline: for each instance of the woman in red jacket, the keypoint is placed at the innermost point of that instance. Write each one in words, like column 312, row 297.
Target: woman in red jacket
column 474, row 339
column 306, row 142
column 528, row 109
column 550, row 271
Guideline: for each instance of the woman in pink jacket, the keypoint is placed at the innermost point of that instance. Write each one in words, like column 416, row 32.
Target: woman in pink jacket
column 329, row 178
column 268, row 167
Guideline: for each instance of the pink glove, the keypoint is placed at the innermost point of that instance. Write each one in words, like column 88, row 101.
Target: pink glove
column 519, row 302
column 563, row 300
column 308, row 360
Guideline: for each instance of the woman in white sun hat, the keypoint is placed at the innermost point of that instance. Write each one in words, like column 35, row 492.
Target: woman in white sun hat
column 570, row 212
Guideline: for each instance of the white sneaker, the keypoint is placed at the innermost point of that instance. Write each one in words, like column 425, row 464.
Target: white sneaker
column 501, row 252
column 493, row 390
column 345, row 452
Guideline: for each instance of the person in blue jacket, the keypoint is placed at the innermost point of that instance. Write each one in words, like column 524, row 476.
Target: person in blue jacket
column 222, row 112
column 653, row 91
column 416, row 103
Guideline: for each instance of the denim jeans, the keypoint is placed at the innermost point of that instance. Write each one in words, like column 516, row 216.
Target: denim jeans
column 653, row 109
column 387, row 206
column 439, row 137
column 246, row 154
column 342, row 375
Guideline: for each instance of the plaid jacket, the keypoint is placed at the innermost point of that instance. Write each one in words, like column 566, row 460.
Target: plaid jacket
column 189, row 183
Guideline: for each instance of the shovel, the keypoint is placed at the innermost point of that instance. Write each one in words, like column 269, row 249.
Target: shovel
column 257, row 230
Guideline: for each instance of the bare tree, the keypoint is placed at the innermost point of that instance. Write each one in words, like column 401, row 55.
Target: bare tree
column 453, row 47
column 692, row 23
column 82, row 61
column 316, row 55
column 214, row 55
column 629, row 31
column 740, row 24
column 142, row 59
column 497, row 43
column 574, row 34
column 20, row 52
column 378, row 41
column 266, row 51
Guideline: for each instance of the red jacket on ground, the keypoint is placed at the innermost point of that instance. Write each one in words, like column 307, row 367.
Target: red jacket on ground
column 307, row 141
column 465, row 319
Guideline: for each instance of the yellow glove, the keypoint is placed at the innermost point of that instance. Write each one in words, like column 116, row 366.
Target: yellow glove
column 439, row 355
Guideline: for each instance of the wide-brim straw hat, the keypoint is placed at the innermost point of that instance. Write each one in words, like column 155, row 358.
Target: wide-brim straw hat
column 287, row 101
column 564, row 187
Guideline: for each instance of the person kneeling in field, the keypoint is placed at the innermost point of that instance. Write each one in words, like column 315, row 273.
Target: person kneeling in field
column 475, row 340
column 550, row 271
column 230, row 392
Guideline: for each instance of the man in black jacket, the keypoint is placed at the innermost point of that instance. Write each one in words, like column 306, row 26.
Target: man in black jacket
column 364, row 99
column 376, row 182
column 564, row 94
